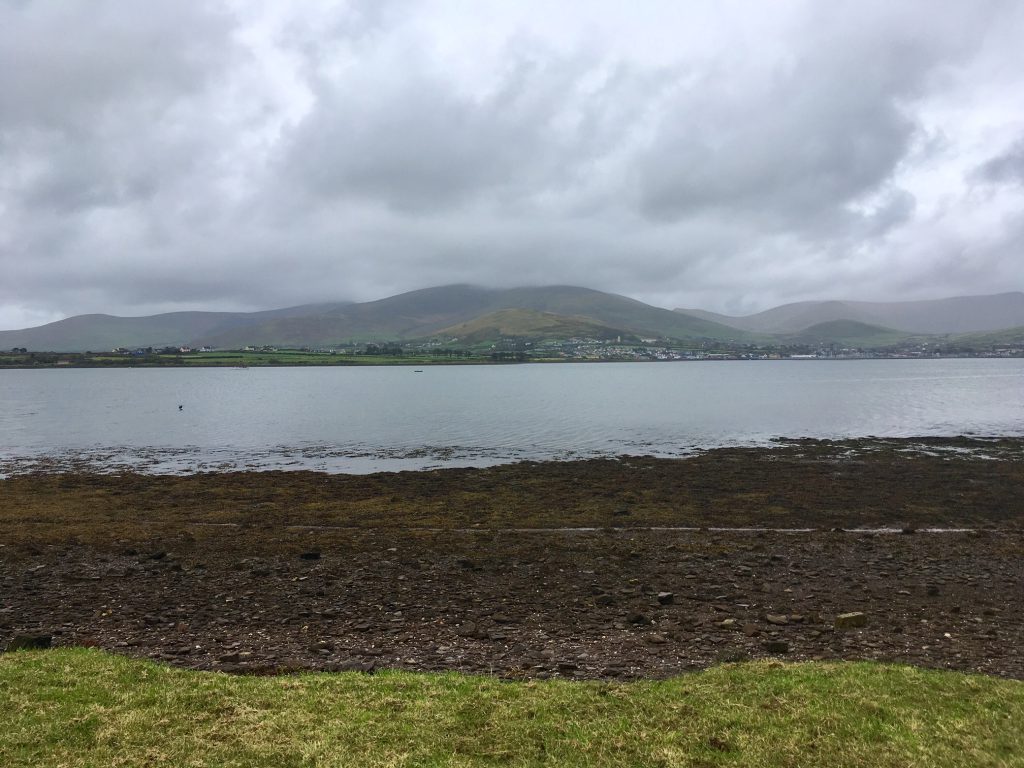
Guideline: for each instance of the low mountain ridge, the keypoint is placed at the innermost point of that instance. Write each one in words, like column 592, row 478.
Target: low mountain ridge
column 104, row 332
column 847, row 333
column 547, row 311
column 413, row 315
column 958, row 314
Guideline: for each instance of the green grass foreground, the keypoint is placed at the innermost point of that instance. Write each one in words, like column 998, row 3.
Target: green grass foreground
column 83, row 707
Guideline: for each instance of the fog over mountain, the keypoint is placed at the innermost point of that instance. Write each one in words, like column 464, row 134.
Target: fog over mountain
column 222, row 155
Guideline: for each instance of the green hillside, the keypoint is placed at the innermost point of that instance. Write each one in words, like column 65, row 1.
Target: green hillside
column 624, row 313
column 528, row 324
column 1011, row 337
column 847, row 333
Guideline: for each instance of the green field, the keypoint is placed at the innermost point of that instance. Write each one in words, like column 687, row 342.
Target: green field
column 227, row 358
column 296, row 357
column 243, row 359
column 79, row 707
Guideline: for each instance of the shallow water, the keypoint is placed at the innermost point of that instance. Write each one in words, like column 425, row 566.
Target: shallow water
column 347, row 419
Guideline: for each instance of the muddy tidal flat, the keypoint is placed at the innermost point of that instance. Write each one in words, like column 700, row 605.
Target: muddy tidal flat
column 609, row 568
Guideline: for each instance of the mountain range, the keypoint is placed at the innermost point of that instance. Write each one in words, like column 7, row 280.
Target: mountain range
column 960, row 314
column 475, row 315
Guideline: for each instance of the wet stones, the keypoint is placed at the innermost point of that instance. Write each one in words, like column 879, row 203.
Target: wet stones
column 851, row 620
column 80, row 576
column 470, row 629
column 570, row 592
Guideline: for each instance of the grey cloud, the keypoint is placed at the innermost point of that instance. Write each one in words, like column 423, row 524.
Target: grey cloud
column 65, row 64
column 796, row 145
column 415, row 143
column 106, row 136
column 157, row 157
column 90, row 174
column 100, row 102
column 1006, row 167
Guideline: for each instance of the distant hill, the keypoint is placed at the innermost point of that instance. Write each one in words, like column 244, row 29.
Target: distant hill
column 960, row 314
column 416, row 314
column 429, row 311
column 104, row 332
column 529, row 324
column 1005, row 338
column 846, row 333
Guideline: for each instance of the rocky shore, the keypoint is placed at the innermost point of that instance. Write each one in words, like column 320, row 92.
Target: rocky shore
column 610, row 568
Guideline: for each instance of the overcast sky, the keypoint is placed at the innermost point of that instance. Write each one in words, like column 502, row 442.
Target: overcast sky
column 730, row 155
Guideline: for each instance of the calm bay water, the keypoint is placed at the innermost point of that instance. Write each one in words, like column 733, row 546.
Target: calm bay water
column 365, row 419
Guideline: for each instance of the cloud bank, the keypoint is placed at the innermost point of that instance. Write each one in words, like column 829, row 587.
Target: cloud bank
column 248, row 155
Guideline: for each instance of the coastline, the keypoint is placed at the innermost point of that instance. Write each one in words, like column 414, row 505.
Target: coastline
column 178, row 363
column 614, row 568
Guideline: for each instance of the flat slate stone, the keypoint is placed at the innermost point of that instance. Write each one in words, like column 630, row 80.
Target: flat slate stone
column 851, row 620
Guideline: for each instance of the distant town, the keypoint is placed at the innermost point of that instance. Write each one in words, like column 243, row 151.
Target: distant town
column 504, row 350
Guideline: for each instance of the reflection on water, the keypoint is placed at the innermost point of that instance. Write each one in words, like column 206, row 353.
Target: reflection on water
column 367, row 419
